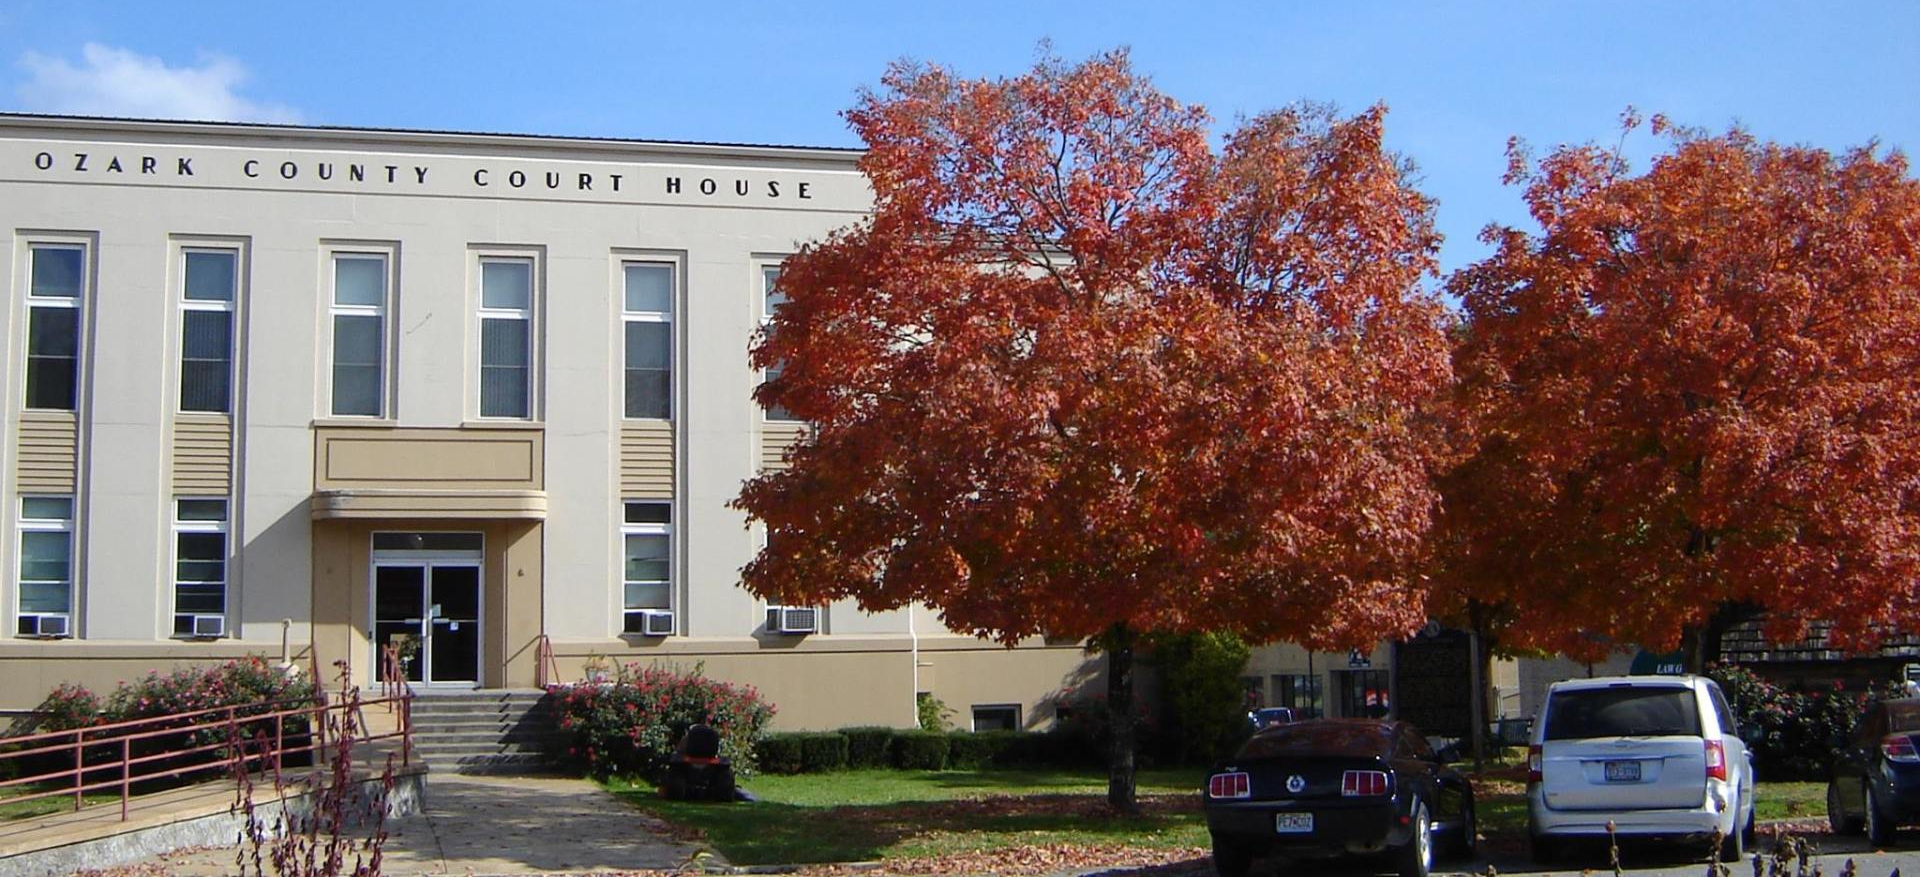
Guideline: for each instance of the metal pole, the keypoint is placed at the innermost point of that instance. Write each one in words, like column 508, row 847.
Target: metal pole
column 126, row 774
column 79, row 767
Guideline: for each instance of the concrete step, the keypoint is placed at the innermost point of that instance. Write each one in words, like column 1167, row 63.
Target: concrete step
column 459, row 750
column 454, row 739
column 480, row 709
column 486, row 764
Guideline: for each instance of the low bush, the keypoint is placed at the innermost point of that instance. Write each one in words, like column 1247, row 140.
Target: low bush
column 1793, row 731
column 985, row 749
column 629, row 724
column 781, row 753
column 824, row 751
column 868, row 746
column 920, row 750
column 250, row 685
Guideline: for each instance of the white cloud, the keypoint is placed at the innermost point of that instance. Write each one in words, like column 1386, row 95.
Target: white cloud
column 117, row 82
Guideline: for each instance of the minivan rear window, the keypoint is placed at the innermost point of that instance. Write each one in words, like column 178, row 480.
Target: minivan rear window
column 1639, row 711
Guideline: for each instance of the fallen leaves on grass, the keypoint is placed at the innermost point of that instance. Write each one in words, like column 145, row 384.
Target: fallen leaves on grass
column 1037, row 859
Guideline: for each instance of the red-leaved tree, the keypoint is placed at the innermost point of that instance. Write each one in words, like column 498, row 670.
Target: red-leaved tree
column 1691, row 397
column 1081, row 375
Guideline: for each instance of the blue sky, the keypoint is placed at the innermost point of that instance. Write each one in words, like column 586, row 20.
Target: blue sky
column 1459, row 77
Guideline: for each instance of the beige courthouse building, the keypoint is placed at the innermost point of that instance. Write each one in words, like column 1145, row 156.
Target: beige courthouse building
column 462, row 390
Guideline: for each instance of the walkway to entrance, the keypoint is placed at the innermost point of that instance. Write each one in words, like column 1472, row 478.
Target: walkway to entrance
column 502, row 825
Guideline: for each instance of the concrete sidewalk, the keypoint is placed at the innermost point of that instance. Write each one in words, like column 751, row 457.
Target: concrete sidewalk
column 480, row 825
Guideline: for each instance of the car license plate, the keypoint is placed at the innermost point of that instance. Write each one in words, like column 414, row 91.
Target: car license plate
column 1623, row 771
column 1292, row 823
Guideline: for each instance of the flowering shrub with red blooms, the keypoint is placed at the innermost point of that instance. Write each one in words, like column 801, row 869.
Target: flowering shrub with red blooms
column 245, row 682
column 628, row 725
column 68, row 706
column 250, row 683
column 1794, row 730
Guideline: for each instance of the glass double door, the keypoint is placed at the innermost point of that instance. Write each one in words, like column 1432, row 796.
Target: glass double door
column 431, row 611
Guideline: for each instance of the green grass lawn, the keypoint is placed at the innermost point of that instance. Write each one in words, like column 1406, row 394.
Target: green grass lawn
column 865, row 815
column 12, row 810
column 1500, row 799
column 874, row 814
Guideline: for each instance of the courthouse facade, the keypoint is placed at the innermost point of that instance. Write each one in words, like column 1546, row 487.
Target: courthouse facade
column 453, row 391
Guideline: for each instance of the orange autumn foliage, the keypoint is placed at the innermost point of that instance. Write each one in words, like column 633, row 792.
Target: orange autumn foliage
column 1695, row 387
column 1080, row 369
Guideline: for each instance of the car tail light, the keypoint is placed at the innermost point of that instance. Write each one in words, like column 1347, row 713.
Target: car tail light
column 1229, row 785
column 1360, row 783
column 1716, row 760
column 1899, row 747
column 1535, row 763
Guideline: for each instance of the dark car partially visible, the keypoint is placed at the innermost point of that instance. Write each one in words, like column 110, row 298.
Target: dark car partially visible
column 1875, row 780
column 1335, row 787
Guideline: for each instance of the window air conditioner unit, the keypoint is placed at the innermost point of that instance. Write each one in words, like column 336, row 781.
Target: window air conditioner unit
column 656, row 622
column 793, row 619
column 209, row 626
column 50, row 626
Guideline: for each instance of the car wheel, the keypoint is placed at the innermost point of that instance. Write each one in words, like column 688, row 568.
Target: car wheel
column 1230, row 860
column 1879, row 825
column 1838, row 818
column 1415, row 858
column 1733, row 847
column 1468, row 842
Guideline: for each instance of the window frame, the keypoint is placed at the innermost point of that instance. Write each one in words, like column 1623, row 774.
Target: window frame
column 1289, row 689
column 77, row 303
column 182, row 527
column 767, row 270
column 973, row 715
column 529, row 316
column 388, row 256
column 230, row 307
column 628, row 316
column 651, row 528
column 24, row 525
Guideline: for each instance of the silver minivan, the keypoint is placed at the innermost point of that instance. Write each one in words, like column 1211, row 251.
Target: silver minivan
column 1657, row 756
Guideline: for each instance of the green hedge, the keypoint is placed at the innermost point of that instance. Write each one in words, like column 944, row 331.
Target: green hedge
column 823, row 752
column 913, row 749
column 920, row 750
column 869, row 746
column 803, row 752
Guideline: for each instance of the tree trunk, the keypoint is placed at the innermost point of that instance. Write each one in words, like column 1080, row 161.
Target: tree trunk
column 1701, row 643
column 1477, row 703
column 1120, row 791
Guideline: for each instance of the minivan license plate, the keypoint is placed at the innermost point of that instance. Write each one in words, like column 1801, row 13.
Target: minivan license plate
column 1292, row 823
column 1623, row 771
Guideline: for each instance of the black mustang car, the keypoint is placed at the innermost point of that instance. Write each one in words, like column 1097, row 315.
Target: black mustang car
column 1875, row 781
column 1332, row 787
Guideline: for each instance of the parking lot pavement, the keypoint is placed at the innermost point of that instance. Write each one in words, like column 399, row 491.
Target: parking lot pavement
column 1832, row 857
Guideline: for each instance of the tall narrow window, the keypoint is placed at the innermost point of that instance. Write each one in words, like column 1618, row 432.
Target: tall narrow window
column 647, row 316
column 206, row 329
column 54, row 294
column 200, row 567
column 359, row 334
column 648, row 599
column 774, row 299
column 506, row 342
column 46, row 565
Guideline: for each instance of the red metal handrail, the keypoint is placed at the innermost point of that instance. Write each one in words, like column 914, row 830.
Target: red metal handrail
column 226, row 744
column 546, row 670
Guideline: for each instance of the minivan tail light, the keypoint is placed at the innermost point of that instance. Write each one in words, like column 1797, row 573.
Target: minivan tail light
column 1363, row 783
column 1229, row 785
column 1535, row 764
column 1899, row 747
column 1716, row 760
